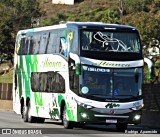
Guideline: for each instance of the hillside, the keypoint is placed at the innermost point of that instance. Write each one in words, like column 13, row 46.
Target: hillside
column 52, row 9
column 142, row 14
column 84, row 11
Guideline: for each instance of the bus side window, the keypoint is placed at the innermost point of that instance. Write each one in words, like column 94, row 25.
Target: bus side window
column 63, row 49
column 22, row 44
column 73, row 80
column 43, row 43
column 37, row 39
column 59, row 84
column 32, row 46
column 72, row 39
column 43, row 82
column 51, row 48
column 47, row 82
column 25, row 49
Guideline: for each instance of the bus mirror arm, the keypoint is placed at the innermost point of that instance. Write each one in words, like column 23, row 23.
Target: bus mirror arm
column 76, row 58
column 150, row 68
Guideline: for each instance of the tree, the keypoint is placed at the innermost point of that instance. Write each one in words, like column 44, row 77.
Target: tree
column 24, row 12
column 6, row 29
column 16, row 15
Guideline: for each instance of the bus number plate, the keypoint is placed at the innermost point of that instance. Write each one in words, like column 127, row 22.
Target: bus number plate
column 111, row 120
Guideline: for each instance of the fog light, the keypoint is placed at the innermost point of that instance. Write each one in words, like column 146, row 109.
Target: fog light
column 84, row 115
column 137, row 117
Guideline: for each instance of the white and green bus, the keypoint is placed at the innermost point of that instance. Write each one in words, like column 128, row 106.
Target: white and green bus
column 79, row 72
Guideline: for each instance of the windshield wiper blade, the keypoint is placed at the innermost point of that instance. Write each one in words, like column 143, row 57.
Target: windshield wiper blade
column 125, row 95
column 93, row 95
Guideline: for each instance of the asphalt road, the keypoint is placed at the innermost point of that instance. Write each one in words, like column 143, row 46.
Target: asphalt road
column 12, row 123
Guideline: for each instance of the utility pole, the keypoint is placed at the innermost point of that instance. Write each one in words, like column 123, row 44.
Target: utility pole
column 121, row 8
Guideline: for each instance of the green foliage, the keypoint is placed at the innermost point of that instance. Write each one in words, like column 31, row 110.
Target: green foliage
column 6, row 29
column 132, row 6
column 15, row 15
column 109, row 16
column 146, row 23
column 98, row 15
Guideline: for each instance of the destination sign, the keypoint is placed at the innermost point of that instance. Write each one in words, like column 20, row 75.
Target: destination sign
column 93, row 69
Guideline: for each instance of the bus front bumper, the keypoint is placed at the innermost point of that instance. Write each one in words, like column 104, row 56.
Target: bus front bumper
column 89, row 116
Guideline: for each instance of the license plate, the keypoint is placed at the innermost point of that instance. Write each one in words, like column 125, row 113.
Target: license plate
column 111, row 120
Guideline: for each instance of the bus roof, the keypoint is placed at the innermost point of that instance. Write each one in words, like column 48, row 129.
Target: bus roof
column 78, row 25
column 98, row 24
column 42, row 28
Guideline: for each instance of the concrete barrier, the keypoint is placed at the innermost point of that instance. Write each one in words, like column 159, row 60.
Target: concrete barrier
column 6, row 105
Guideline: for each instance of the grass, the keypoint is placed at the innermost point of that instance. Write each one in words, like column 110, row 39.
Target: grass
column 7, row 77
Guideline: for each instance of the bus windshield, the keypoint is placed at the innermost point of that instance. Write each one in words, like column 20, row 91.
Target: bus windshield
column 110, row 41
column 111, row 83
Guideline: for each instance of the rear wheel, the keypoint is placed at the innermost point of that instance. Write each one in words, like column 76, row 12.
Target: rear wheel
column 24, row 114
column 31, row 119
column 40, row 120
column 67, row 124
column 27, row 117
column 121, row 127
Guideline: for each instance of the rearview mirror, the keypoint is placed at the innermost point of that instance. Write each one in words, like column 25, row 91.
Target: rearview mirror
column 150, row 68
column 78, row 69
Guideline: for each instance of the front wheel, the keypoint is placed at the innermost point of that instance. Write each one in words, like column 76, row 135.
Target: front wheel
column 67, row 124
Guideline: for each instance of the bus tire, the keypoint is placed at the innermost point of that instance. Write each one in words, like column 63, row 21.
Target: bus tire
column 121, row 127
column 67, row 124
column 22, row 105
column 40, row 120
column 24, row 114
column 31, row 119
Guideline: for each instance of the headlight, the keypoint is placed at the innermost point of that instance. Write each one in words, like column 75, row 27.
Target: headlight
column 138, row 107
column 84, row 115
column 137, row 117
column 83, row 105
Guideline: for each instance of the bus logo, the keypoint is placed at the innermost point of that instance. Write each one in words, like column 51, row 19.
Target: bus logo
column 112, row 105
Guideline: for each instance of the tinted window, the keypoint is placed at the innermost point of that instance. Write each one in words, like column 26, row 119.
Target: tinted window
column 73, row 40
column 47, row 82
column 46, row 42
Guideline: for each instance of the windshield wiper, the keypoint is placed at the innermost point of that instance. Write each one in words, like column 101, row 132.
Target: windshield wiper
column 126, row 95
column 101, row 96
